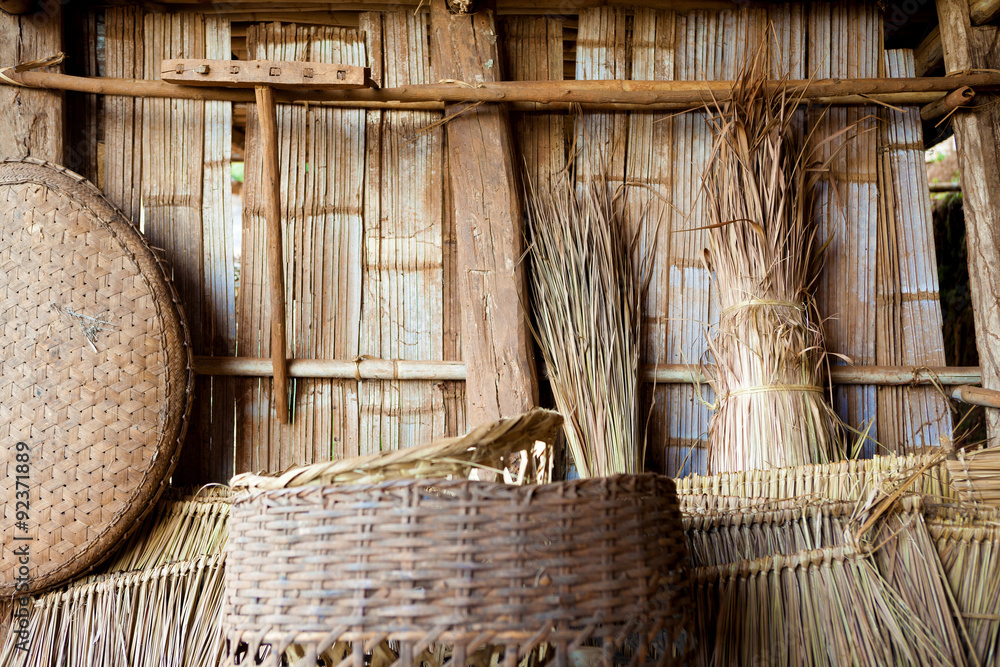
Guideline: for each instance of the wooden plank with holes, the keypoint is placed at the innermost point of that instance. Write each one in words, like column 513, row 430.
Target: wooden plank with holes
column 497, row 344
column 274, row 73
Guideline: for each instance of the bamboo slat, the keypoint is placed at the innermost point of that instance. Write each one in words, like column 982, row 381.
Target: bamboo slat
column 186, row 211
column 321, row 165
column 83, row 110
column 121, row 169
column 845, row 41
column 908, row 307
column 533, row 51
column 402, row 305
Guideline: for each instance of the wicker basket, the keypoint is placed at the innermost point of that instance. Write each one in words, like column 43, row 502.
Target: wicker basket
column 462, row 563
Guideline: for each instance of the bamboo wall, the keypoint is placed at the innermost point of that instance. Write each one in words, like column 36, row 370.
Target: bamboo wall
column 370, row 238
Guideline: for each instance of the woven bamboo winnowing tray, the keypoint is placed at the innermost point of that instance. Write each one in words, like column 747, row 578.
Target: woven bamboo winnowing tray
column 458, row 563
column 95, row 376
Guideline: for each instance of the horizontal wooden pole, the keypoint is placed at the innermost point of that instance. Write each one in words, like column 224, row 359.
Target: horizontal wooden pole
column 982, row 12
column 947, row 104
column 545, row 95
column 946, row 187
column 385, row 369
column 989, row 398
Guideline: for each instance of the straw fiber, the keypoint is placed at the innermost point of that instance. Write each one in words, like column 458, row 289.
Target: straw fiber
column 94, row 374
column 461, row 562
column 157, row 602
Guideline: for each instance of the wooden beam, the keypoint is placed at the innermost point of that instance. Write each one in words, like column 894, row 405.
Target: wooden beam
column 538, row 95
column 977, row 133
column 32, row 122
column 928, row 56
column 273, row 73
column 365, row 368
column 271, row 205
column 984, row 11
column 496, row 342
column 947, row 104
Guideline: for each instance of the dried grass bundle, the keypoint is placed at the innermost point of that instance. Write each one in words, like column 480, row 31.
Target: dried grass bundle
column 589, row 273
column 157, row 602
column 976, row 476
column 727, row 530
column 768, row 346
column 821, row 607
column 968, row 544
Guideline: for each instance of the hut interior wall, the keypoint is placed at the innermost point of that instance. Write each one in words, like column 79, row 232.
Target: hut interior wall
column 370, row 238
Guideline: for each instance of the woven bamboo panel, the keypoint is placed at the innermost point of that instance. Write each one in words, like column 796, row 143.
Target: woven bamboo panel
column 95, row 375
column 461, row 563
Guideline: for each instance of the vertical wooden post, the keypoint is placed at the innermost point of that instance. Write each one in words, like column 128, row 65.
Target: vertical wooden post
column 32, row 122
column 496, row 341
column 267, row 116
column 977, row 132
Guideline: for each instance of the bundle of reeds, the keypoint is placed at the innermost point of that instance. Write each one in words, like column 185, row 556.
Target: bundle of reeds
column 925, row 475
column 768, row 346
column 589, row 273
column 727, row 530
column 158, row 601
column 976, row 476
column 820, row 607
column 968, row 544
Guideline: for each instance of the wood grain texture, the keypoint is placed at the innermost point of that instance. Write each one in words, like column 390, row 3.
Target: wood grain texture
column 486, row 191
column 908, row 307
column 32, row 122
column 977, row 133
column 182, row 155
column 321, row 170
column 121, row 170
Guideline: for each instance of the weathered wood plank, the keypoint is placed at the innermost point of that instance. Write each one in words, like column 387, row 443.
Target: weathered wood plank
column 32, row 122
column 273, row 73
column 908, row 306
column 497, row 344
column 977, row 133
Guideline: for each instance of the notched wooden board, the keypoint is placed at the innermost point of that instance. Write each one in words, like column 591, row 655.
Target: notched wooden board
column 276, row 73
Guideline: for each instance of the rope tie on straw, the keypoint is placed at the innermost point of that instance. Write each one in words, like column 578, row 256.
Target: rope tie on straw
column 753, row 303
column 24, row 67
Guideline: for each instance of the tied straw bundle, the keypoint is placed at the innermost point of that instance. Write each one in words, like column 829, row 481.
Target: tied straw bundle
column 768, row 347
column 589, row 273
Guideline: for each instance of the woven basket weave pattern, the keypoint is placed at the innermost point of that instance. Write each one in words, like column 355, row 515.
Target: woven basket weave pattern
column 456, row 562
column 94, row 369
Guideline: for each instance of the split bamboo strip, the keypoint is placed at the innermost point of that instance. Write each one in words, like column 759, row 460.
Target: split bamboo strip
column 968, row 544
column 976, row 476
column 825, row 606
column 844, row 480
column 321, row 184
column 121, row 169
column 187, row 212
column 402, row 304
column 845, row 41
column 908, row 308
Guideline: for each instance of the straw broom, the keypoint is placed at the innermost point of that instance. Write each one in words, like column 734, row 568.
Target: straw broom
column 589, row 274
column 768, row 347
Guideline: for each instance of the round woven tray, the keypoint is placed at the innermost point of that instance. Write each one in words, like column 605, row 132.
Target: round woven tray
column 461, row 563
column 95, row 376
